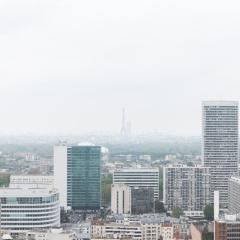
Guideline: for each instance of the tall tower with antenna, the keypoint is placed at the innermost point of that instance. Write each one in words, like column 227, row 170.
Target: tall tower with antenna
column 123, row 131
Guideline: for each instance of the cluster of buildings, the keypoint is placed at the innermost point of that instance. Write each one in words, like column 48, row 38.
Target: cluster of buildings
column 146, row 227
column 32, row 203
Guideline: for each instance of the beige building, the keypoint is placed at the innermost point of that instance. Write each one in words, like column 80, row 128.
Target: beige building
column 120, row 199
column 135, row 231
column 109, row 230
column 53, row 234
column 156, row 231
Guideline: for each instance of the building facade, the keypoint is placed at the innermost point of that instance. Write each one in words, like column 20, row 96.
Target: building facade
column 38, row 181
column 84, row 177
column 220, row 148
column 60, row 172
column 142, row 200
column 227, row 230
column 77, row 173
column 25, row 209
column 157, row 231
column 110, row 230
column 138, row 177
column 120, row 199
column 233, row 195
column 52, row 234
column 187, row 188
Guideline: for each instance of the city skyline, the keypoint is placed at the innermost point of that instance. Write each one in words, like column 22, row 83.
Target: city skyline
column 74, row 74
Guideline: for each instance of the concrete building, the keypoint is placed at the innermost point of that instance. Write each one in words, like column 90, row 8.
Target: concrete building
column 220, row 148
column 38, row 181
column 155, row 226
column 157, row 231
column 52, row 234
column 234, row 195
column 187, row 188
column 138, row 177
column 227, row 229
column 77, row 173
column 110, row 230
column 60, row 172
column 120, row 199
column 145, row 226
column 142, row 200
column 24, row 209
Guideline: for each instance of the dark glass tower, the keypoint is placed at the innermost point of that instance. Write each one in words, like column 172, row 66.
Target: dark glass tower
column 84, row 177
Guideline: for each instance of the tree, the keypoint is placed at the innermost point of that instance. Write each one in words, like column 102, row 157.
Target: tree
column 106, row 190
column 160, row 187
column 177, row 212
column 190, row 164
column 209, row 212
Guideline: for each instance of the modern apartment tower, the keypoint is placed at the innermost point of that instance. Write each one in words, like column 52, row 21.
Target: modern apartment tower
column 187, row 188
column 79, row 176
column 220, row 147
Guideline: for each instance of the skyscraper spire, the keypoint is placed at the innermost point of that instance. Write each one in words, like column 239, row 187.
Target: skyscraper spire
column 123, row 127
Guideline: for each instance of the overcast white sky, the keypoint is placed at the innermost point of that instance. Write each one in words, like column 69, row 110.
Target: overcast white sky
column 70, row 66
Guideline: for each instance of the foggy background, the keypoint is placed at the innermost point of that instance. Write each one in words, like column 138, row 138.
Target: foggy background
column 69, row 67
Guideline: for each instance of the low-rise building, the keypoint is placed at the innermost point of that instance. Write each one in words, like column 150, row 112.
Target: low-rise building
column 108, row 230
column 38, row 181
column 53, row 234
column 144, row 227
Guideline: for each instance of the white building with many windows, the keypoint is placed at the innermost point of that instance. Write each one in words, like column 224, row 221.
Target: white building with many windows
column 220, row 148
column 233, row 195
column 187, row 188
column 24, row 209
column 138, row 177
column 38, row 181
column 115, row 230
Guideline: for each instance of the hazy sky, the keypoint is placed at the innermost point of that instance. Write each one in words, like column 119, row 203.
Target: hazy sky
column 70, row 66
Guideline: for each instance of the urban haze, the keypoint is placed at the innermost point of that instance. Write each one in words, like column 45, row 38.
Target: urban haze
column 119, row 120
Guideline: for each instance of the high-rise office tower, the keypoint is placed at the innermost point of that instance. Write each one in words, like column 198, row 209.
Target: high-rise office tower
column 220, row 148
column 84, row 177
column 79, row 176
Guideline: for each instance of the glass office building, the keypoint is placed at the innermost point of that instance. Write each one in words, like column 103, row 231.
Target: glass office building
column 84, row 177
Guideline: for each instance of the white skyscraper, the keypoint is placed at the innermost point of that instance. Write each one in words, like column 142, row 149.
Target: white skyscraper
column 60, row 172
column 220, row 144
